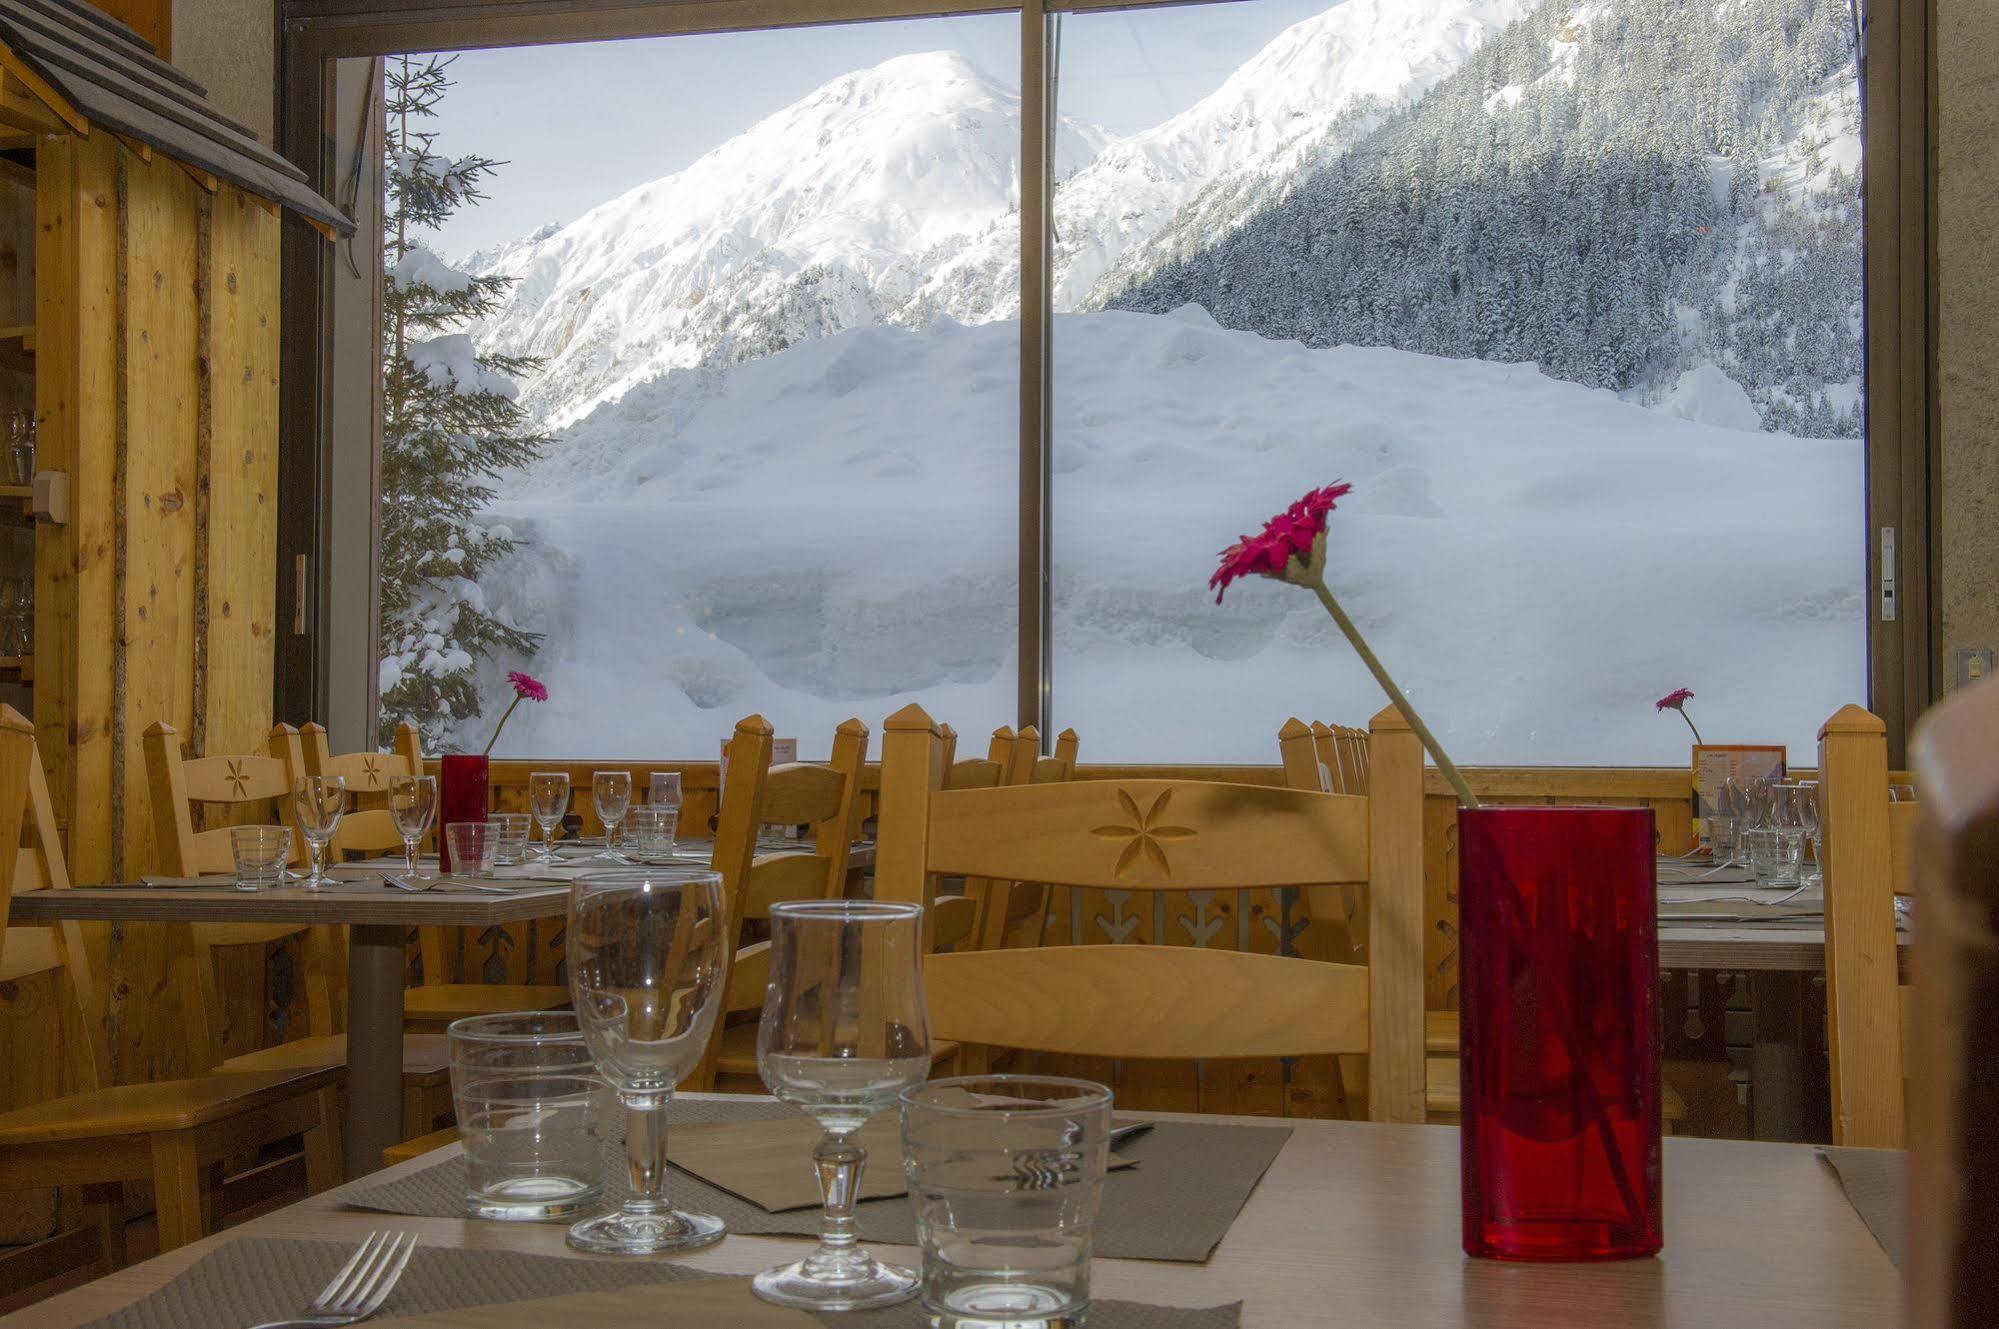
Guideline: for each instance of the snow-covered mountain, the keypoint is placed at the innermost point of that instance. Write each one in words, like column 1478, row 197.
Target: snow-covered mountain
column 819, row 217
column 1307, row 92
column 891, row 195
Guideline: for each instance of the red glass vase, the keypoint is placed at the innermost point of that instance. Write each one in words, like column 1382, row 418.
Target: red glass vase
column 461, row 796
column 1558, row 957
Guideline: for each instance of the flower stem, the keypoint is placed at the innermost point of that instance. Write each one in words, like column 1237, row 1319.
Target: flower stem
column 1445, row 767
column 1690, row 724
column 501, row 725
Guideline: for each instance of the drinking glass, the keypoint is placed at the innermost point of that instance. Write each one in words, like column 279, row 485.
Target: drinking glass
column 260, row 853
column 21, row 447
column 612, row 793
column 412, row 806
column 843, row 1033
column 471, row 846
column 507, row 832
column 531, row 1114
column 646, row 953
column 649, row 831
column 1005, row 1175
column 1786, row 822
column 319, row 801
column 665, row 790
column 1808, row 816
column 548, row 797
column 1763, row 851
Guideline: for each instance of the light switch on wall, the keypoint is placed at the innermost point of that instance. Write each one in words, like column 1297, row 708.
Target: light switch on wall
column 1972, row 666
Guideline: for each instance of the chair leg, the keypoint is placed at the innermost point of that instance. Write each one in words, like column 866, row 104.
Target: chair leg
column 104, row 1211
column 323, row 1166
column 178, row 1182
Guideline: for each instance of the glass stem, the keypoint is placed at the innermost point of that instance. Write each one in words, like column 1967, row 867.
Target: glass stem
column 838, row 1161
column 409, row 855
column 645, row 1151
column 316, row 849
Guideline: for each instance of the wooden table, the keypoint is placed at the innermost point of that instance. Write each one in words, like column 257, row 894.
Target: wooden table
column 1355, row 1224
column 378, row 920
column 1779, row 961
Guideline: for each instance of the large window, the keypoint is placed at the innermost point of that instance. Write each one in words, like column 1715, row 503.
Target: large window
column 1572, row 298
column 746, row 425
column 727, row 344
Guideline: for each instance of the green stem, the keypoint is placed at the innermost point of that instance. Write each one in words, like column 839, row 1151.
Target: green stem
column 1449, row 771
column 1690, row 724
column 501, row 725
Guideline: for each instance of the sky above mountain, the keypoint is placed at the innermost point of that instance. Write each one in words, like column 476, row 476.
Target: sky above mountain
column 671, row 99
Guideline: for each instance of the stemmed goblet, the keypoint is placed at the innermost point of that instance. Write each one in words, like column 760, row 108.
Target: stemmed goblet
column 646, row 961
column 611, row 791
column 412, row 806
column 548, row 799
column 843, row 1034
column 318, row 801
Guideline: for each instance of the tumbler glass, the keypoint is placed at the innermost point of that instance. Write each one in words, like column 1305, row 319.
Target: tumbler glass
column 531, row 1115
column 1006, row 1173
column 260, row 853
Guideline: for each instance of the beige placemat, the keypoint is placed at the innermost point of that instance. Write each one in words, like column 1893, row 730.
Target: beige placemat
column 758, row 1160
column 710, row 1303
column 1876, row 1182
column 256, row 1279
column 1192, row 1179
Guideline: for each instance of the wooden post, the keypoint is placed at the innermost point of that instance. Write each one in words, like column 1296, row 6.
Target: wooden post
column 912, row 767
column 1864, row 1026
column 1395, row 921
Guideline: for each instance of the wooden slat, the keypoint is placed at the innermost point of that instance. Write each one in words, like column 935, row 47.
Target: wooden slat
column 1149, row 835
column 1395, row 920
column 1147, row 1001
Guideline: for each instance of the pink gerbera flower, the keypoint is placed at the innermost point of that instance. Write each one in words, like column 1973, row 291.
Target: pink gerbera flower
column 1677, row 700
column 1292, row 533
column 528, row 686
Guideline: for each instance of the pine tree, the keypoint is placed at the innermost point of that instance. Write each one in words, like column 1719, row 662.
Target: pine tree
column 450, row 425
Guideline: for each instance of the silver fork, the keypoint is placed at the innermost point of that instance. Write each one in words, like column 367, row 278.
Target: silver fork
column 359, row 1289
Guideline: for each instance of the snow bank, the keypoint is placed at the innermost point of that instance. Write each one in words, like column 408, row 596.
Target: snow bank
column 830, row 531
column 1708, row 396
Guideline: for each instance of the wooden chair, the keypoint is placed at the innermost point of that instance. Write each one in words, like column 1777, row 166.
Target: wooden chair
column 176, row 785
column 370, row 829
column 1010, row 913
column 758, row 794
column 1333, row 758
column 1951, row 1269
column 1171, row 835
column 173, row 1134
column 1866, row 857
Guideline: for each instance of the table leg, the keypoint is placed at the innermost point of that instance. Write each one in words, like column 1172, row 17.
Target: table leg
column 1777, row 1064
column 374, row 1043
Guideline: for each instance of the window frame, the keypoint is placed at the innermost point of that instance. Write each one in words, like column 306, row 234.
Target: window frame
column 327, row 556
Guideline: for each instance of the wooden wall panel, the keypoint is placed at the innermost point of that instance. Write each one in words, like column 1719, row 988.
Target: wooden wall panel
column 159, row 408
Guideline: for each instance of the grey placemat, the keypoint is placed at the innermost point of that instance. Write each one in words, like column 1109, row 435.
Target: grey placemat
column 1192, row 1179
column 1876, row 1182
column 257, row 1279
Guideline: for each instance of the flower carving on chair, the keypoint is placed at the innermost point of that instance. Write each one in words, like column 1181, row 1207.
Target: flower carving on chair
column 1145, row 834
column 371, row 768
column 239, row 779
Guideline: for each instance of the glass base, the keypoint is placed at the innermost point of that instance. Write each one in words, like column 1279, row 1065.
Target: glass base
column 1004, row 1305
column 623, row 1232
column 534, row 1200
column 849, row 1280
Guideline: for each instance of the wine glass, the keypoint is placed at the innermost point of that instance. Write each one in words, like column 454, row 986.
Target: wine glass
column 843, row 1033
column 1808, row 817
column 1786, row 821
column 548, row 799
column 665, row 791
column 612, row 793
column 319, row 801
column 412, row 806
column 646, row 960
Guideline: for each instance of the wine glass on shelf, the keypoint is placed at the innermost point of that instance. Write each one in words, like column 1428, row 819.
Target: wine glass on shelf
column 548, row 799
column 318, row 801
column 412, row 806
column 843, row 1033
column 611, row 791
column 646, row 960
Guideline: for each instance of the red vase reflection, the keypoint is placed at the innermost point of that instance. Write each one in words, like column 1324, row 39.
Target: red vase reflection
column 461, row 796
column 1559, row 1014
